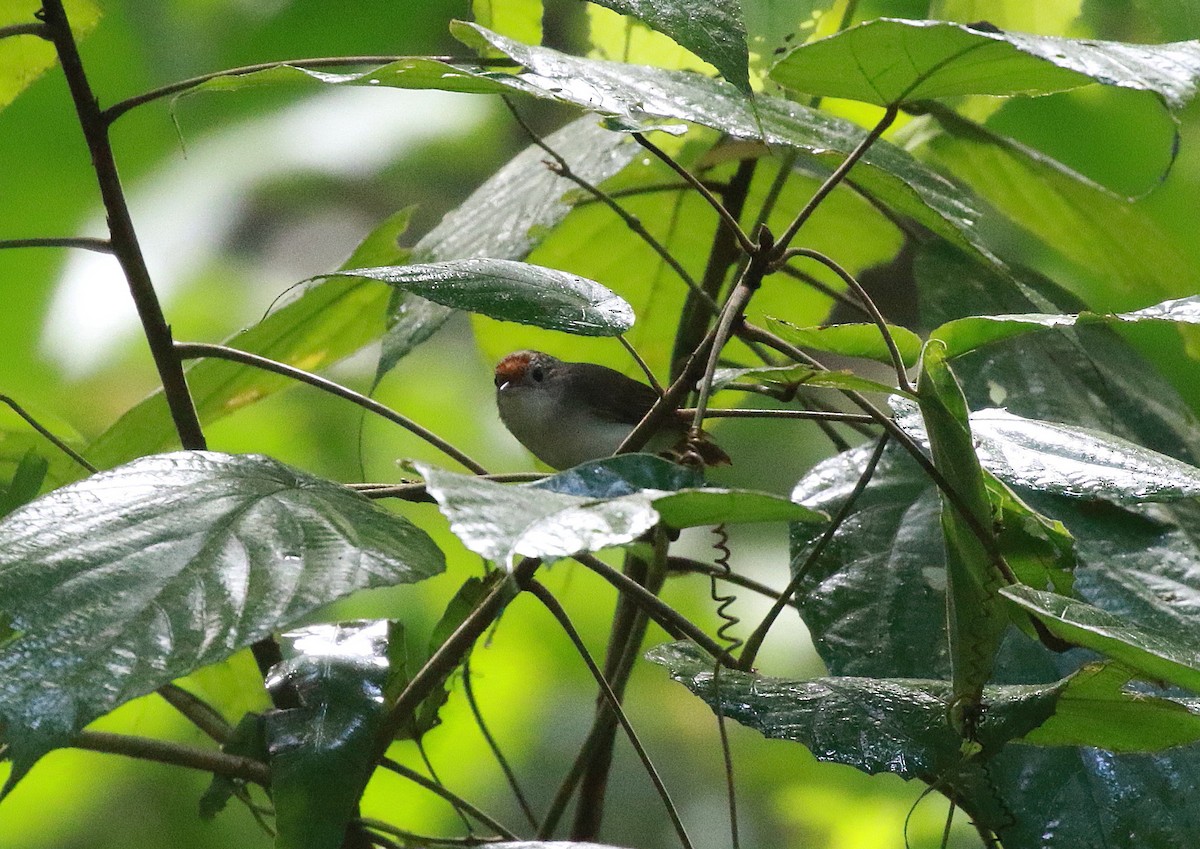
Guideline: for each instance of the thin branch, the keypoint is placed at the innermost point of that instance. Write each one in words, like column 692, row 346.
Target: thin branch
column 123, row 236
column 551, row 603
column 418, row 492
column 37, row 29
column 412, row 838
column 54, row 440
column 453, row 798
column 195, row 350
column 161, row 751
column 755, row 641
column 115, row 111
column 642, row 364
column 199, row 712
column 872, row 310
column 755, row 413
column 729, row 221
column 889, row 116
column 686, row 565
column 86, row 243
column 841, row 297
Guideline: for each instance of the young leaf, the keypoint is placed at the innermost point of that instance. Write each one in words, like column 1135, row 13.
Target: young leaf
column 896, row 61
column 1096, row 709
column 137, row 576
column 896, row 725
column 338, row 673
column 1157, row 655
column 713, row 31
column 512, row 291
column 975, row 617
column 852, row 340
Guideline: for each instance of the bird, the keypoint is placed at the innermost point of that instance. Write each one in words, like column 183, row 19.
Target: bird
column 569, row 413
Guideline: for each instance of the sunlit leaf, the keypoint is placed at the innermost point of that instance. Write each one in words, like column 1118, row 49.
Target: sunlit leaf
column 799, row 376
column 852, row 340
column 1097, row 709
column 519, row 19
column 713, row 31
column 137, row 576
column 897, row 61
column 338, row 674
column 512, row 291
column 24, row 58
column 1173, row 656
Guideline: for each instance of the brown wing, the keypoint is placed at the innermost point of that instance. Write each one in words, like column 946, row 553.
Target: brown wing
column 613, row 395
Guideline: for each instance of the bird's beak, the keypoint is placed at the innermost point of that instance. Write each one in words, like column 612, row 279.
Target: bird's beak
column 503, row 386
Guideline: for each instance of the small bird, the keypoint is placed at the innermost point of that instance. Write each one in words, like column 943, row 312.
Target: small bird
column 569, row 413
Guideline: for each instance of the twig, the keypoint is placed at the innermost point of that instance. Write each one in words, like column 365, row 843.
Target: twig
column 868, row 304
column 756, row 413
column 411, row 838
column 123, row 236
column 195, row 350
column 551, row 603
column 199, row 712
column 37, row 29
column 161, row 751
column 453, row 798
column 36, row 425
column 86, row 243
column 686, row 565
column 727, row 219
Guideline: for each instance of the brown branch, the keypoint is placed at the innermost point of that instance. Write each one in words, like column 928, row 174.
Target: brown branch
column 161, row 751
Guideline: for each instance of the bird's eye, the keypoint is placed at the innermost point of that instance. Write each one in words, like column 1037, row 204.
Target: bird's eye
column 537, row 374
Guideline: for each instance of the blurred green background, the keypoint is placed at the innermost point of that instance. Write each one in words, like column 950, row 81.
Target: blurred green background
column 238, row 196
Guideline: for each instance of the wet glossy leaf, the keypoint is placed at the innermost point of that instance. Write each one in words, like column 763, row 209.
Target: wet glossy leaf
column 1171, row 656
column 965, row 334
column 134, row 577
column 896, row 61
column 505, row 218
column 512, row 291
column 338, row 673
column 1097, row 709
column 852, row 340
column 797, row 376
column 975, row 615
column 713, row 31
column 623, row 475
column 876, row 725
column 331, row 320
column 502, row 522
column 1077, row 461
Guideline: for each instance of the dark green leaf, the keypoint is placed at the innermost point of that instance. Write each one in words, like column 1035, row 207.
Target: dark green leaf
column 137, row 576
column 1040, row 550
column 505, row 218
column 338, row 674
column 1171, row 656
column 408, row 73
column 895, row 61
column 713, row 31
column 876, row 725
column 797, row 376
column 246, row 741
column 1096, row 709
column 852, row 340
column 26, row 482
column 622, row 475
column 512, row 291
column 976, row 617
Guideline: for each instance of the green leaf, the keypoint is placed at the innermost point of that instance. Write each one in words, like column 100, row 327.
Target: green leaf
column 876, row 725
column 625, row 474
column 896, row 61
column 976, row 618
column 505, row 218
column 519, row 19
column 1096, row 709
column 137, row 576
column 26, row 482
column 338, row 673
column 792, row 377
column 1077, row 461
column 852, row 340
column 1172, row 656
column 502, row 522
column 713, row 31
column 331, row 320
column 24, row 58
column 965, row 334
column 246, row 741
column 512, row 291
column 1040, row 550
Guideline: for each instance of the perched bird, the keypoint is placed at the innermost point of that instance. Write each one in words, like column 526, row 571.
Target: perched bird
column 569, row 413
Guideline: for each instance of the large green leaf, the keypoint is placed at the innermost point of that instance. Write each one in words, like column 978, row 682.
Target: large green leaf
column 1170, row 657
column 338, row 673
column 898, row 61
column 512, row 291
column 794, row 377
column 713, row 31
column 135, row 577
column 896, row 725
column 502, row 522
column 852, row 340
